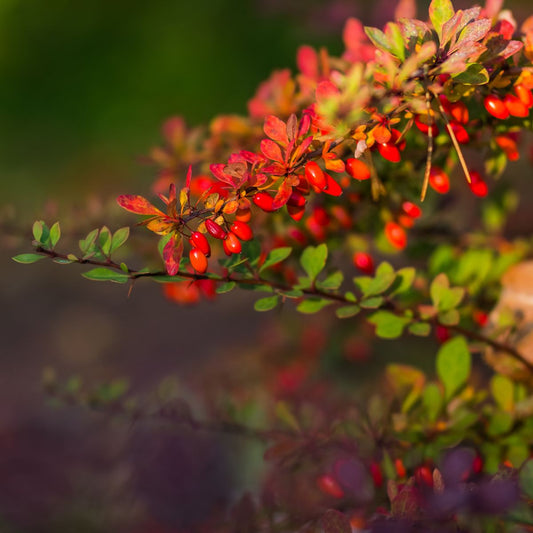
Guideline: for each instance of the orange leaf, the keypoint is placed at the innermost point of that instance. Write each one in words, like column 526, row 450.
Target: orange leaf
column 271, row 150
column 382, row 134
column 282, row 196
column 161, row 226
column 335, row 165
column 138, row 204
column 276, row 129
column 172, row 253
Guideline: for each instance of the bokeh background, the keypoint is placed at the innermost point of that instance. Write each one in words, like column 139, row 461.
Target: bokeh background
column 84, row 88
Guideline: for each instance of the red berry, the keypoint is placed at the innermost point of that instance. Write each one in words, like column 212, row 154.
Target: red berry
column 439, row 180
column 315, row 175
column 389, row 151
column 296, row 212
column 333, row 188
column 296, row 199
column 357, row 169
column 321, row 216
column 423, row 125
column 459, row 112
column 328, row 485
column 377, row 476
column 406, row 221
column 242, row 230
column 478, row 186
column 400, row 468
column 198, row 260
column 396, row 235
column 363, row 262
column 232, row 244
column 424, row 476
column 199, row 240
column 515, row 106
column 495, row 107
column 477, row 464
column 480, row 317
column 214, row 229
column 442, row 333
column 524, row 94
column 411, row 209
column 508, row 145
column 243, row 215
column 264, row 201
column 460, row 133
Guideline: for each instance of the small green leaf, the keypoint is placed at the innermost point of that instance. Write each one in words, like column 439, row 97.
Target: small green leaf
column 87, row 244
column 72, row 257
column 284, row 413
column 388, row 325
column 27, row 259
column 292, row 294
column 119, row 238
column 440, row 11
column 526, row 478
column 453, row 364
column 449, row 318
column 55, row 234
column 266, row 304
column 395, row 40
column 312, row 305
column 105, row 274
column 333, row 281
column 404, row 279
column 432, row 400
column 104, row 240
column 226, row 287
column 124, row 268
column 277, row 255
column 347, row 311
column 443, row 297
column 37, row 230
column 313, row 260
column 475, row 74
column 420, row 329
column 502, row 389
column 500, row 423
column 372, row 303
column 383, row 279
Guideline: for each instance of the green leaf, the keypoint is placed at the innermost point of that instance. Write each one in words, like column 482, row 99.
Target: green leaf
column 502, row 389
column 312, row 305
column 443, row 297
column 226, row 287
column 284, row 413
column 119, row 238
column 313, row 260
column 277, row 255
column 347, row 311
column 27, row 259
column 449, row 318
column 104, row 240
column 475, row 74
column 440, row 11
column 453, row 365
column 395, row 40
column 55, row 234
column 252, row 251
column 420, row 329
column 105, row 274
column 526, row 478
column 432, row 401
column 266, row 304
column 124, row 268
column 500, row 423
column 295, row 293
column 333, row 281
column 404, row 280
column 372, row 303
column 37, row 230
column 87, row 244
column 378, row 38
column 388, row 325
column 383, row 279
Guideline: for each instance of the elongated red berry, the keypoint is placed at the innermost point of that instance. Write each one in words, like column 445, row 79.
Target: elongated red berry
column 400, row 468
column 329, row 485
column 264, row 201
column 232, row 244
column 244, row 215
column 524, row 94
column 296, row 199
column 375, row 472
column 296, row 212
column 459, row 131
column 411, row 210
column 389, row 151
column 424, row 476
column 515, row 106
column 423, row 125
column 357, row 169
column 495, row 107
column 214, row 229
column 396, row 235
column 364, row 262
column 199, row 240
column 332, row 188
column 439, row 180
column 198, row 260
column 478, row 185
column 459, row 112
column 242, row 230
column 315, row 175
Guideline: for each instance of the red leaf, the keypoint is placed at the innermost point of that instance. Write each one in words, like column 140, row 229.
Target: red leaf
column 271, row 150
column 138, row 204
column 172, row 253
column 276, row 129
column 307, row 61
column 189, row 176
column 282, row 196
column 326, row 89
column 218, row 171
column 301, row 149
column 305, row 124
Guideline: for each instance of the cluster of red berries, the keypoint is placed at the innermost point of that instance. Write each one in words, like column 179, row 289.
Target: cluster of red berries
column 514, row 105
